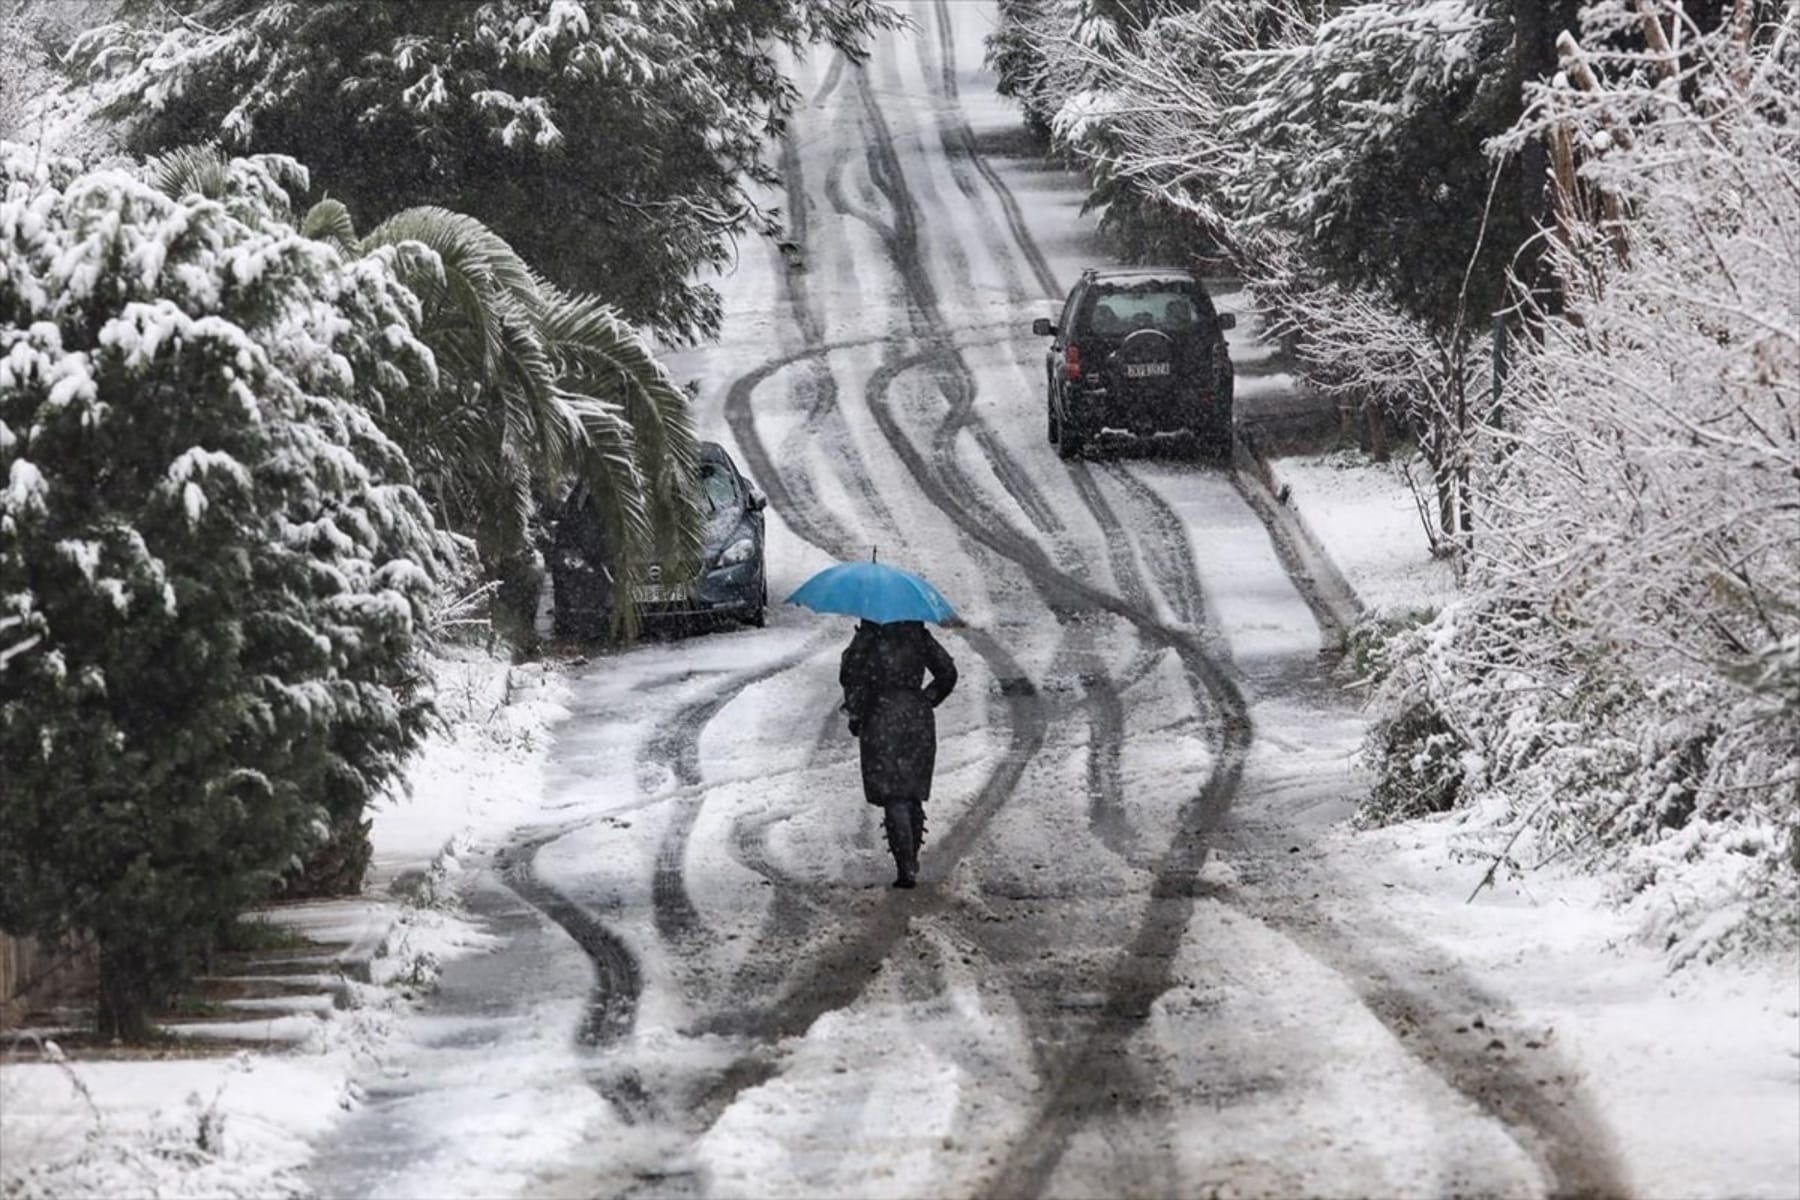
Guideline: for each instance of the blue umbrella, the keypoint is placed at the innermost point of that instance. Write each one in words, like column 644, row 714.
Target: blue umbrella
column 875, row 592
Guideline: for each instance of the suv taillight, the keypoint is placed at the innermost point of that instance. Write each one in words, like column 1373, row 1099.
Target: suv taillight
column 1071, row 361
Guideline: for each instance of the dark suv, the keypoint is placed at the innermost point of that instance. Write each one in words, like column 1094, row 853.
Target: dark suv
column 731, row 581
column 1139, row 356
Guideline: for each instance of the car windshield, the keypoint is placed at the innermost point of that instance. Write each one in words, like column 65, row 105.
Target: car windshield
column 1167, row 309
column 719, row 488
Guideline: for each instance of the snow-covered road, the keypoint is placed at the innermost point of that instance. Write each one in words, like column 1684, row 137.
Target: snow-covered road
column 1127, row 971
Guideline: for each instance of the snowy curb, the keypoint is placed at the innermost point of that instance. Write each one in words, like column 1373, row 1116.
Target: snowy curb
column 1321, row 582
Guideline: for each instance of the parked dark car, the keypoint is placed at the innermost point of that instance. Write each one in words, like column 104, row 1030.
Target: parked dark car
column 1137, row 357
column 731, row 581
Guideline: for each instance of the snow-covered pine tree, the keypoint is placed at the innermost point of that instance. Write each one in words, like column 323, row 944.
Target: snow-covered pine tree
column 217, row 552
column 607, row 141
column 1368, row 142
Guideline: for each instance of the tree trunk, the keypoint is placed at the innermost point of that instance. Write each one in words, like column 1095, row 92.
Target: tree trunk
column 128, row 987
column 1444, row 475
column 1534, row 55
column 1464, row 517
column 337, row 867
column 521, row 579
column 1376, row 423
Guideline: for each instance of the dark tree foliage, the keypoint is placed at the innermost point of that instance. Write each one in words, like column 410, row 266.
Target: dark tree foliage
column 1415, row 207
column 607, row 141
column 1014, row 54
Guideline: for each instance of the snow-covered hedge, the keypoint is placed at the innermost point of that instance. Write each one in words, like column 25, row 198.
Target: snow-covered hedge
column 212, row 564
column 1624, row 678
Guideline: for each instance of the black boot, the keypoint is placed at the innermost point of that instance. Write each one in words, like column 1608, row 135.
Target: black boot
column 899, row 825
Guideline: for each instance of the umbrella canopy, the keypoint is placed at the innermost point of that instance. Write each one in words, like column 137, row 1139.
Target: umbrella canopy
column 873, row 591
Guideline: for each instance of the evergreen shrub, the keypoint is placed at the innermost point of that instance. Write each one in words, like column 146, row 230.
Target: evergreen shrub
column 213, row 567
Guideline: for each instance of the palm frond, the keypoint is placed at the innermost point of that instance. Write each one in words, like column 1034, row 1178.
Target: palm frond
column 540, row 389
column 329, row 221
column 465, row 245
column 603, row 356
column 190, row 171
column 608, row 471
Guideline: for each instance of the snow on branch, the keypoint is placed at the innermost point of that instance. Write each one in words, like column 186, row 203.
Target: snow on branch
column 1625, row 676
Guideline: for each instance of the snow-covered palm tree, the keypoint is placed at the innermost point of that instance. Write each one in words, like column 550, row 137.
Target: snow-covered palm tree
column 537, row 389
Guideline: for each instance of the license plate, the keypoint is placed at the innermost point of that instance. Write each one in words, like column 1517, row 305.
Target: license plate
column 1145, row 370
column 659, row 593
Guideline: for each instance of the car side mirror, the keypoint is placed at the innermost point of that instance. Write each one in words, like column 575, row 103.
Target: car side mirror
column 757, row 502
column 1043, row 327
column 1227, row 320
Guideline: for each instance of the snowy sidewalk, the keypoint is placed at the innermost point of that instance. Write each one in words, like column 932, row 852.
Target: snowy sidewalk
column 191, row 1120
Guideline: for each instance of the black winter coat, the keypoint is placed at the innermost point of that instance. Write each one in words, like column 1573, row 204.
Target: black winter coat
column 883, row 676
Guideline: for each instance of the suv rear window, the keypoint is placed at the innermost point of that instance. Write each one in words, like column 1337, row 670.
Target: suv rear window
column 1169, row 309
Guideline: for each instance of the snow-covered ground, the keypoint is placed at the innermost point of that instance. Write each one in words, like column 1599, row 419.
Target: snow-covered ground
column 1694, row 1075
column 174, row 1122
column 1366, row 516
column 1694, row 1072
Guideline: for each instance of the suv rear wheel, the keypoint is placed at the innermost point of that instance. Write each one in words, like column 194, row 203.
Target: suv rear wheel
column 1068, row 441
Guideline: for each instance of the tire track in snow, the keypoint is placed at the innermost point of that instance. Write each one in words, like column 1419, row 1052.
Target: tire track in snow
column 1177, row 573
column 675, row 745
column 1107, row 812
column 1145, row 970
column 1132, row 990
column 1102, row 694
column 1421, row 1006
column 824, row 417
column 963, row 139
column 1424, row 1005
column 823, row 414
column 840, row 200
column 834, row 75
column 1516, row 1102
column 957, row 378
column 1029, row 1167
column 1327, row 593
column 958, row 384
column 828, row 406
column 795, row 901
column 799, row 226
column 952, row 493
column 613, row 1000
column 1427, row 1000
column 795, row 490
column 835, row 978
column 821, row 529
column 1105, row 708
column 794, row 498
column 1146, row 967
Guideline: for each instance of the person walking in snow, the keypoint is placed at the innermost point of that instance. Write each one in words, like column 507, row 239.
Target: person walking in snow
column 890, row 708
